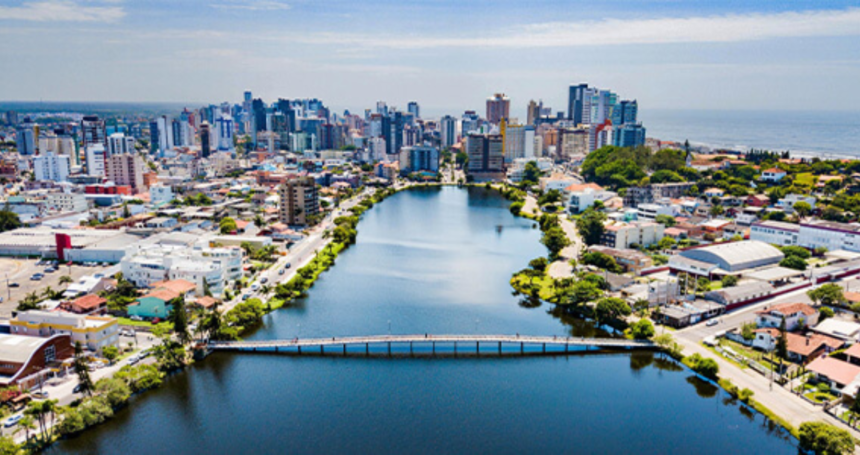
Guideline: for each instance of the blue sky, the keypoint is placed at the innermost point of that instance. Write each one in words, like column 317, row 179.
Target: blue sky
column 447, row 55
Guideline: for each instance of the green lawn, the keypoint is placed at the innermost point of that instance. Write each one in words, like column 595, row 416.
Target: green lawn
column 805, row 178
column 819, row 397
column 130, row 322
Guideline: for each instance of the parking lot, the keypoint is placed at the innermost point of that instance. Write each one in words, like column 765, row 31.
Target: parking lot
column 19, row 271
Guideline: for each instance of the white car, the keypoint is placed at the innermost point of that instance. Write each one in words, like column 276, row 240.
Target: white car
column 712, row 322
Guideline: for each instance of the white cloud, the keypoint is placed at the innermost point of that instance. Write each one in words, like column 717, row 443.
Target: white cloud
column 255, row 5
column 723, row 28
column 61, row 11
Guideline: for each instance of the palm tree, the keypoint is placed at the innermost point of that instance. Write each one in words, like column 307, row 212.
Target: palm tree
column 65, row 279
column 49, row 293
column 265, row 289
column 26, row 424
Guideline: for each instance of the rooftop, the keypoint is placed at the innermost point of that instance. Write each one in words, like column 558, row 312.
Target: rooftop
column 834, row 369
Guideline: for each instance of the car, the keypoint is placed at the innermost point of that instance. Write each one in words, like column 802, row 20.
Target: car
column 12, row 421
column 288, row 265
column 712, row 322
column 36, row 277
column 14, row 285
column 78, row 388
column 50, row 270
column 282, row 271
column 136, row 318
column 246, row 296
column 255, row 286
column 133, row 359
column 39, row 394
column 264, row 280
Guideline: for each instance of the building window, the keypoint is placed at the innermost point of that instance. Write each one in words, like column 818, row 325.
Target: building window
column 50, row 354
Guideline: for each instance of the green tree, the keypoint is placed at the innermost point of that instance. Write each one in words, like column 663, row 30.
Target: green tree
column 748, row 331
column 609, row 308
column 590, row 226
column 716, row 210
column 81, row 369
column 531, row 174
column 44, row 413
column 539, row 265
column 707, row 367
column 666, row 220
column 65, row 279
column 666, row 243
column 798, row 251
column 555, row 240
column 642, row 329
column 793, row 262
column 601, row 260
column 8, row 219
column 179, row 317
column 802, row 208
column 110, row 353
column 825, row 439
column 827, row 294
column 824, row 313
column 729, row 281
column 227, row 225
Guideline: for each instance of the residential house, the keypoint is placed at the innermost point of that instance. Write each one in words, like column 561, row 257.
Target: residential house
column 836, row 328
column 88, row 304
column 630, row 260
column 773, row 175
column 156, row 304
column 796, row 315
column 834, row 372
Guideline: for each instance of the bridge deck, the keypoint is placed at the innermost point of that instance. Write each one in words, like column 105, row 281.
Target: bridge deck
column 412, row 339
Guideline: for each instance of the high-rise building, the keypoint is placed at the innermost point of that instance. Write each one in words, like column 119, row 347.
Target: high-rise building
column 575, row 103
column 518, row 141
column 126, row 169
column 92, row 131
column 533, row 112
column 382, row 108
column 498, row 107
column 225, row 134
column 602, row 105
column 51, row 166
column 471, row 122
column 419, row 158
column 414, row 109
column 25, row 139
column 572, row 142
column 165, row 134
column 625, row 112
column 299, row 201
column 448, row 126
column 628, row 135
column 392, row 131
column 12, row 118
column 153, row 137
column 205, row 139
column 120, row 143
column 486, row 153
column 95, row 160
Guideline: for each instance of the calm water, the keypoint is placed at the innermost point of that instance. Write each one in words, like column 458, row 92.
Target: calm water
column 434, row 260
column 816, row 133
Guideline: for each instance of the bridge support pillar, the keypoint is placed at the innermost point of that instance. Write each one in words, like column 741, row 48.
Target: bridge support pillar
column 455, row 349
column 565, row 347
column 544, row 348
column 321, row 350
column 478, row 348
column 410, row 348
column 389, row 349
column 367, row 349
column 522, row 348
column 500, row 348
column 434, row 348
column 344, row 349
column 300, row 350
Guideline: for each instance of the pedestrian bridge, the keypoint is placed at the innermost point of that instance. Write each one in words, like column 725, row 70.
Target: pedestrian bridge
column 427, row 344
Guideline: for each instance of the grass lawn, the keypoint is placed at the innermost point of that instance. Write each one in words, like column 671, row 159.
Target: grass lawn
column 805, row 178
column 130, row 322
column 819, row 397
column 740, row 349
column 544, row 282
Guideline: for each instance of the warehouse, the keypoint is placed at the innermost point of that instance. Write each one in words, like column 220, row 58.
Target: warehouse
column 726, row 258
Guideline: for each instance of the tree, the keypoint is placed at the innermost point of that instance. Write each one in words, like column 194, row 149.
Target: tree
column 590, row 226
column 825, row 439
column 782, row 341
column 828, row 294
column 798, row 251
column 227, row 225
column 666, row 243
column 110, row 353
column 539, row 264
column 855, row 408
column 65, row 279
column 8, row 219
column 609, row 308
column 43, row 412
column 531, row 174
column 179, row 317
column 601, row 260
column 555, row 240
column 642, row 329
column 716, row 210
column 550, row 197
column 748, row 331
column 666, row 220
column 707, row 367
column 729, row 281
column 81, row 369
column 824, row 313
column 8, row 446
column 802, row 208
column 793, row 262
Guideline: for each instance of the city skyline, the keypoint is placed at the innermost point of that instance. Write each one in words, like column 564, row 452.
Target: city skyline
column 448, row 57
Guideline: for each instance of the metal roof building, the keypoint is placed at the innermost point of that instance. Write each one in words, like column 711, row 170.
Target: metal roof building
column 736, row 256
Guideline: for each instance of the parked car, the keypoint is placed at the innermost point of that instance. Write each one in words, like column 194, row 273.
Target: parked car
column 12, row 421
column 712, row 322
column 246, row 296
column 14, row 285
column 136, row 318
column 51, row 269
column 264, row 280
column 78, row 388
column 37, row 277
column 255, row 286
column 288, row 265
column 282, row 271
column 39, row 394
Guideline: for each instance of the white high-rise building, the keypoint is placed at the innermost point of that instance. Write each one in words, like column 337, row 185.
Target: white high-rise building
column 224, row 125
column 95, row 160
column 376, row 145
column 51, row 166
column 119, row 143
column 165, row 136
column 519, row 142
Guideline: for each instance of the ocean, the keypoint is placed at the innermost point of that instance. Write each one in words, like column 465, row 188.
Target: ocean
column 804, row 133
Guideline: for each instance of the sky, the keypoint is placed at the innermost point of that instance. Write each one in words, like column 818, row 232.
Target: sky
column 449, row 55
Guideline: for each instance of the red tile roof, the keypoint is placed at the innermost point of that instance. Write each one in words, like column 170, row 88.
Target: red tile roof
column 175, row 286
column 789, row 309
column 834, row 369
column 806, row 345
column 89, row 302
column 163, row 294
column 774, row 170
column 206, row 302
column 580, row 187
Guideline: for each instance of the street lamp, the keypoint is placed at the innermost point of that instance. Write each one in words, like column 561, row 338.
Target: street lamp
column 389, row 327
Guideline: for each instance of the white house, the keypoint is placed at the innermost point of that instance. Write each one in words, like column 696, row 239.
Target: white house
column 787, row 203
column 796, row 315
column 773, row 175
